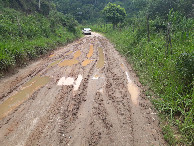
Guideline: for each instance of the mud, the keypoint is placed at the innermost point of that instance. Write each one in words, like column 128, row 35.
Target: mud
column 100, row 62
column 91, row 51
column 83, row 94
column 54, row 63
column 26, row 91
column 86, row 62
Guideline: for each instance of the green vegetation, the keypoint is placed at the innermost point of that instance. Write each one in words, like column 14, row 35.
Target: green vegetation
column 27, row 36
column 114, row 13
column 168, row 75
column 157, row 38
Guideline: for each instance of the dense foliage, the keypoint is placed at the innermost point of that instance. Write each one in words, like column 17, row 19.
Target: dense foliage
column 157, row 38
column 90, row 10
column 26, row 36
column 114, row 14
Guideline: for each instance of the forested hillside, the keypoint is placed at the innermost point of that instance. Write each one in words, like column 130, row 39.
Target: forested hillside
column 90, row 10
column 29, row 29
column 29, row 6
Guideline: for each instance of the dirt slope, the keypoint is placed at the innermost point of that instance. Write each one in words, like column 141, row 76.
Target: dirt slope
column 83, row 94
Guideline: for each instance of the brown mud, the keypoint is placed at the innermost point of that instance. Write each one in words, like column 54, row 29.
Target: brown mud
column 83, row 94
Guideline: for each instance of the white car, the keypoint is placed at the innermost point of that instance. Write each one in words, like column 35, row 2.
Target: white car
column 87, row 31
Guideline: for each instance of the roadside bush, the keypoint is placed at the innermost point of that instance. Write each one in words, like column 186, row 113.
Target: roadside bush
column 185, row 67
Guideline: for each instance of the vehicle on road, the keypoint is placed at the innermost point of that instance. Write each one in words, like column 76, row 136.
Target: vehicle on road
column 87, row 31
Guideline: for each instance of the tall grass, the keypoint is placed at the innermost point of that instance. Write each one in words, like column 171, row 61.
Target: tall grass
column 25, row 37
column 169, row 77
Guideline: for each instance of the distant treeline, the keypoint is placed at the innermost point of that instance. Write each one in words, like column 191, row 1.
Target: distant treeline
column 90, row 10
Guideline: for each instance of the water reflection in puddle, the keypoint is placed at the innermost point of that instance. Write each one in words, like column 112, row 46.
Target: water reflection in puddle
column 70, row 81
column 95, row 77
column 78, row 82
column 134, row 92
column 132, row 87
column 27, row 90
column 65, row 81
column 100, row 62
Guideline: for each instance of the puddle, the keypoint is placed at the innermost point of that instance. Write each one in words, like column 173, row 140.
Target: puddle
column 68, row 53
column 100, row 62
column 65, row 81
column 72, row 61
column 54, row 63
column 95, row 77
column 51, row 55
column 122, row 66
column 101, row 90
column 77, row 54
column 78, row 82
column 128, row 78
column 134, row 92
column 86, row 62
column 91, row 51
column 70, row 81
column 68, row 62
column 27, row 90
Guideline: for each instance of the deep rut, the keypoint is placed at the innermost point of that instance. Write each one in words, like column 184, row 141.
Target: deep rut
column 88, row 101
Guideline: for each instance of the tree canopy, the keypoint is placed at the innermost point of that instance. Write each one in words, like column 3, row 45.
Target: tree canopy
column 114, row 13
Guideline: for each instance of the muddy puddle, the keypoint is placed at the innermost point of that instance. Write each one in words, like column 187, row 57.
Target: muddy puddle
column 134, row 92
column 70, row 81
column 68, row 63
column 96, row 77
column 27, row 90
column 90, row 51
column 86, row 62
column 77, row 54
column 100, row 62
column 54, row 63
column 72, row 61
column 132, row 87
column 68, row 53
column 52, row 55
column 78, row 82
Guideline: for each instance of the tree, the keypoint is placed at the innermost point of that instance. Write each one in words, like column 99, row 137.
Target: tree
column 114, row 13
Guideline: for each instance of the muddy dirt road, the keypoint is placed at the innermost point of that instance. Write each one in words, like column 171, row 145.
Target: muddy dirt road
column 83, row 94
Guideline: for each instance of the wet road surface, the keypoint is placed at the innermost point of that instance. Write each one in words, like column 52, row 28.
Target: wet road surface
column 83, row 94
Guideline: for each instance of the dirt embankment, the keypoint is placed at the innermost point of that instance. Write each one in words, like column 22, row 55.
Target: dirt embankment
column 83, row 94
